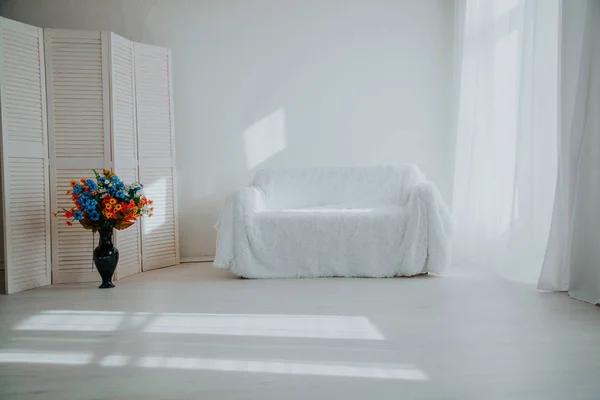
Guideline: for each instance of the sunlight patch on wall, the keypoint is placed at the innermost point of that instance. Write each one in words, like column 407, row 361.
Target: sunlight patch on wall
column 265, row 138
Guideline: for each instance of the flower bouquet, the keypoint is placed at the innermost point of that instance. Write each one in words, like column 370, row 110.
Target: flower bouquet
column 102, row 205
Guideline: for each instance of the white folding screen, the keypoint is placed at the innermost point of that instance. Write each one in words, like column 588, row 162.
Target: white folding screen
column 77, row 73
column 109, row 105
column 124, row 144
column 25, row 205
column 156, row 153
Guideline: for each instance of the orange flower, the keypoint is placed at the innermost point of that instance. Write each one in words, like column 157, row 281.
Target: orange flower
column 110, row 215
column 82, row 180
column 73, row 183
column 108, row 207
column 113, row 201
column 118, row 207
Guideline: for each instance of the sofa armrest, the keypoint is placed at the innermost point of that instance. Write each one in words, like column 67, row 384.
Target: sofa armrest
column 245, row 200
column 251, row 197
column 440, row 226
column 231, row 223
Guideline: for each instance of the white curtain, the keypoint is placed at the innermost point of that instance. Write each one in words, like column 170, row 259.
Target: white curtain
column 572, row 260
column 506, row 151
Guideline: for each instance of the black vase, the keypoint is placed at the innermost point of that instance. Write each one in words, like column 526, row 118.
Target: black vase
column 106, row 258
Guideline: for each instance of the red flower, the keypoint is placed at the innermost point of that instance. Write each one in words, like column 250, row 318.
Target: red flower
column 69, row 223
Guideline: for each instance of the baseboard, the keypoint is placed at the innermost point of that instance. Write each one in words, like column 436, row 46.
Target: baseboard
column 184, row 260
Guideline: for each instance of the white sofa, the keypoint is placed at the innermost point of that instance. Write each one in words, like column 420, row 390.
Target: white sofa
column 379, row 221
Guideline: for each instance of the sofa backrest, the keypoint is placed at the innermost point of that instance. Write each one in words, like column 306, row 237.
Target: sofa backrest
column 363, row 187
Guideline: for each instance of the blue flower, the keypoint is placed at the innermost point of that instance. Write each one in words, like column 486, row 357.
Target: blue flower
column 90, row 206
column 117, row 182
column 91, row 185
column 77, row 189
column 85, row 200
column 94, row 216
column 78, row 215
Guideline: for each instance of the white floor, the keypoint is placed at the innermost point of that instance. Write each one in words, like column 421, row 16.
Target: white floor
column 198, row 333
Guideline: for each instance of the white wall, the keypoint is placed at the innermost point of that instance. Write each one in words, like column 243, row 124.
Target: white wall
column 286, row 83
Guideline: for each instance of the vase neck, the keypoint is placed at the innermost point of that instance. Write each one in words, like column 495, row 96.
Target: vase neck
column 105, row 236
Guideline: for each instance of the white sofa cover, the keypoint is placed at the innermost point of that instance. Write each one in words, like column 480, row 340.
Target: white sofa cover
column 378, row 221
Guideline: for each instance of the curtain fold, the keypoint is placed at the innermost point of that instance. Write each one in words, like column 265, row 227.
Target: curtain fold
column 505, row 171
column 572, row 260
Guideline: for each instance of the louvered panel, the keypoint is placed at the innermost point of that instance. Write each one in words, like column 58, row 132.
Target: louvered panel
column 159, row 232
column 79, row 130
column 154, row 97
column 123, row 103
column 153, row 102
column 78, row 94
column 22, row 87
column 26, row 214
column 125, row 145
column 25, row 236
column 128, row 241
column 74, row 244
